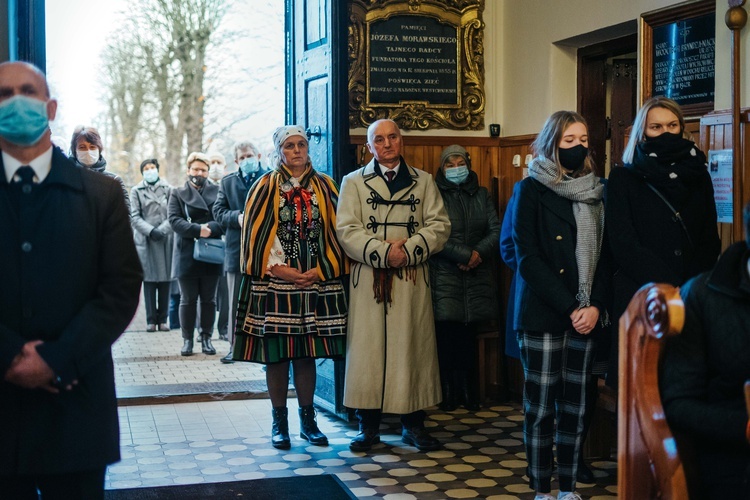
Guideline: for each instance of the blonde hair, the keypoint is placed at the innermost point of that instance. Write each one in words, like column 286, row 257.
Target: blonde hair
column 198, row 156
column 547, row 142
column 638, row 131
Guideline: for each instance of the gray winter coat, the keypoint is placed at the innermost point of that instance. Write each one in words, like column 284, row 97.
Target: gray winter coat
column 151, row 230
column 466, row 296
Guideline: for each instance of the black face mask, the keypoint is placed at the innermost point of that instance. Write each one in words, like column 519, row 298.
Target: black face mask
column 198, row 180
column 665, row 139
column 572, row 158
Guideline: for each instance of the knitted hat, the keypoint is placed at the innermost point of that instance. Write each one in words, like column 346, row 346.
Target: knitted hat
column 150, row 160
column 282, row 133
column 453, row 150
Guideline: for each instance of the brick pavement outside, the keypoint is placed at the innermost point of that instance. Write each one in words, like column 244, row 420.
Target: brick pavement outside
column 150, row 364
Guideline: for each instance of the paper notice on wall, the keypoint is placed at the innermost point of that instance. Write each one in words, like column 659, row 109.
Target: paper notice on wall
column 720, row 168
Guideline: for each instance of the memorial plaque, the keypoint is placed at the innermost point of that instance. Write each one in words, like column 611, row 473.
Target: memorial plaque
column 683, row 60
column 413, row 58
column 419, row 63
column 677, row 55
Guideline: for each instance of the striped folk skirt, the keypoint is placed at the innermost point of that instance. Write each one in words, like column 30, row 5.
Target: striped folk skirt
column 276, row 321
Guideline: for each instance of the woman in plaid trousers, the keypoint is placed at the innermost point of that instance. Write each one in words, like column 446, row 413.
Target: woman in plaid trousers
column 560, row 295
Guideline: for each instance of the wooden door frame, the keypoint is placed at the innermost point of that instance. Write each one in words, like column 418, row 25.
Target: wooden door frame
column 589, row 58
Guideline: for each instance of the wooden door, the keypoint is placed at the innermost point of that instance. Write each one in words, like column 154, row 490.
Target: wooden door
column 592, row 102
column 317, row 100
column 624, row 87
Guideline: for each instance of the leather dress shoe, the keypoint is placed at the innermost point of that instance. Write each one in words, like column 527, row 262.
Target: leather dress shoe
column 187, row 348
column 227, row 360
column 150, row 328
column 420, row 438
column 163, row 327
column 365, row 439
column 584, row 475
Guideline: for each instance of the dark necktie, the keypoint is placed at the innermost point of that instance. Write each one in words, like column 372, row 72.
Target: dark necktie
column 390, row 174
column 24, row 176
column 21, row 185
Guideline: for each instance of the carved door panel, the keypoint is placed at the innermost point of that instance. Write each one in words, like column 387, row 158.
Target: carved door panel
column 317, row 100
column 624, row 87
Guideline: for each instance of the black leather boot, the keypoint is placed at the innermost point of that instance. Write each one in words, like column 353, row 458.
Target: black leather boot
column 449, row 392
column 466, row 391
column 187, row 348
column 309, row 428
column 206, row 345
column 280, row 428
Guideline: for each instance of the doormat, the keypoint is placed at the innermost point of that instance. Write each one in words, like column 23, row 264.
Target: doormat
column 324, row 486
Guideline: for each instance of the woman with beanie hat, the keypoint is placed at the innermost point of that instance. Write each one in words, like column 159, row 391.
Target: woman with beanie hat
column 463, row 284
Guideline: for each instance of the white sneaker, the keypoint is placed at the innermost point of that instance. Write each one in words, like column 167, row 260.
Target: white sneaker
column 544, row 496
column 571, row 495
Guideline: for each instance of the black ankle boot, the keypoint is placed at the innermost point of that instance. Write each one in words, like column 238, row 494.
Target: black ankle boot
column 449, row 393
column 206, row 345
column 187, row 348
column 466, row 391
column 280, row 428
column 309, row 428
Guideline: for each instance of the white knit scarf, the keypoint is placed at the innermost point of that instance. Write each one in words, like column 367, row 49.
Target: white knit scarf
column 586, row 194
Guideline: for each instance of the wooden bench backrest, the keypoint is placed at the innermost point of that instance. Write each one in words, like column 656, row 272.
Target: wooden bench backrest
column 648, row 463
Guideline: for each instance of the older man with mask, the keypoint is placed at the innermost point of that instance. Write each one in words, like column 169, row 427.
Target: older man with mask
column 70, row 286
column 390, row 221
column 229, row 212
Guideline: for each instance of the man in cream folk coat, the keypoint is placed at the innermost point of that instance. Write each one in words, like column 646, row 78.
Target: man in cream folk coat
column 390, row 221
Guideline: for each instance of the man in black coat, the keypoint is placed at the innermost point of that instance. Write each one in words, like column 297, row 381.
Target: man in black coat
column 229, row 211
column 70, row 285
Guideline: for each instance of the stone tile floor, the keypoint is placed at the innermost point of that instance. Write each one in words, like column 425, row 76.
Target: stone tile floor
column 219, row 440
column 483, row 454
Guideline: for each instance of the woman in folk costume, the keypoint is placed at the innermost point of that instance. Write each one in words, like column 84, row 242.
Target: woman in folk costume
column 292, row 305
column 561, row 290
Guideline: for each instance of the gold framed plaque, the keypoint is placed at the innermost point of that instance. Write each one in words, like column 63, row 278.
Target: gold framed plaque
column 417, row 62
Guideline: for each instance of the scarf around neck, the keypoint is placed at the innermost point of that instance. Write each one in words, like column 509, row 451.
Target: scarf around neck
column 262, row 221
column 586, row 194
column 671, row 168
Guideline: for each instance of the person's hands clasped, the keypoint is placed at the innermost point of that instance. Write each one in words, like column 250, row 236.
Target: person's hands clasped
column 156, row 235
column 293, row 275
column 396, row 254
column 584, row 319
column 474, row 261
column 29, row 370
column 205, row 231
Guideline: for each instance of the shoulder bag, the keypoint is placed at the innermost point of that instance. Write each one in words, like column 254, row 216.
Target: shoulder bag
column 209, row 250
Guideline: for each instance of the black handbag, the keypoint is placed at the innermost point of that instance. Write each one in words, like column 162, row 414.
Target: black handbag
column 209, row 250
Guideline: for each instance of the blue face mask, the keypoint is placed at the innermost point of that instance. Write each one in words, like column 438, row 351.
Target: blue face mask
column 23, row 120
column 151, row 175
column 249, row 165
column 457, row 175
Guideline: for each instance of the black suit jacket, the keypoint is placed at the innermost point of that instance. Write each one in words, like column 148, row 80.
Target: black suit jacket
column 544, row 233
column 229, row 204
column 71, row 278
column 200, row 207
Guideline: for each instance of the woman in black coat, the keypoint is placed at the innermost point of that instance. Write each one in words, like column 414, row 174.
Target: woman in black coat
column 661, row 215
column 463, row 284
column 191, row 217
column 561, row 289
